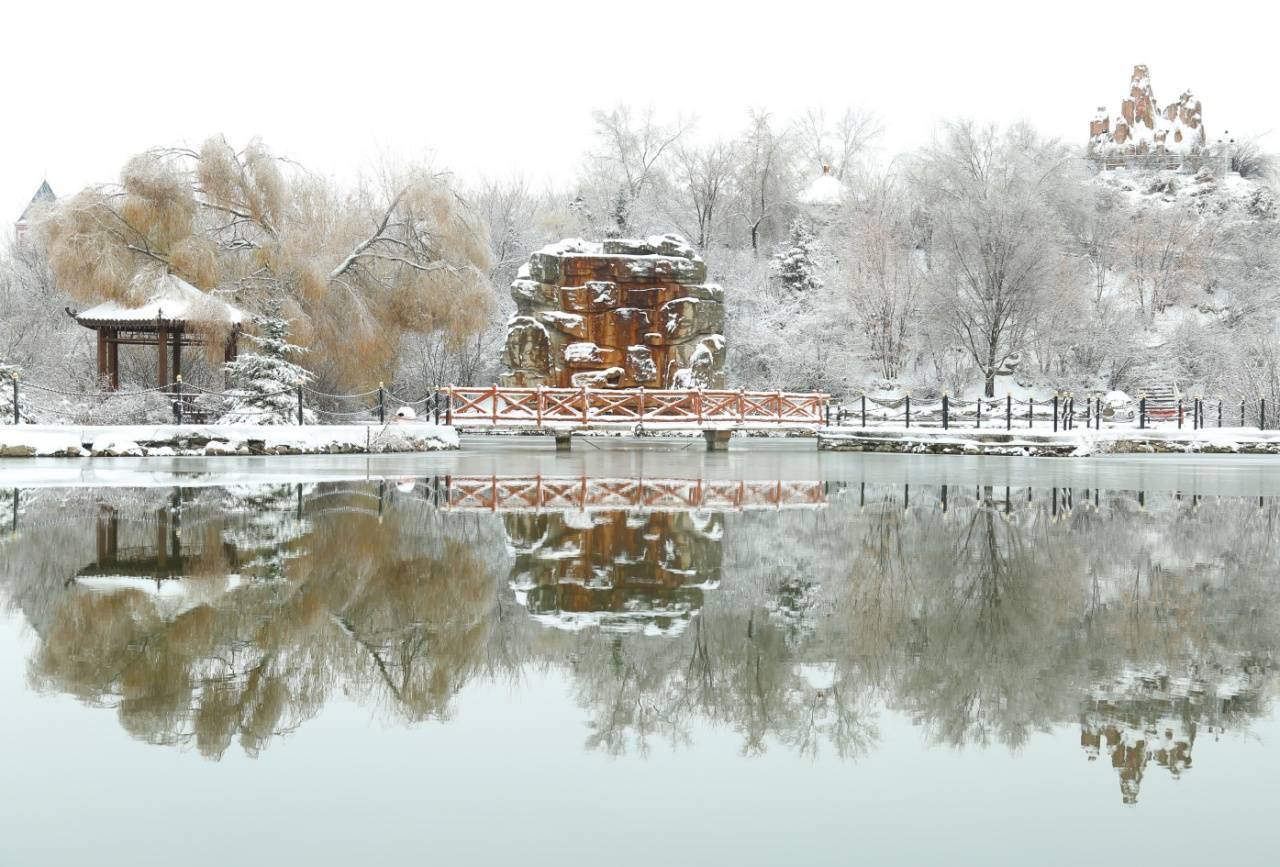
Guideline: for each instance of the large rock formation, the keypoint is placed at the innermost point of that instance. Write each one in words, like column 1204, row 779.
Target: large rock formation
column 1141, row 127
column 616, row 314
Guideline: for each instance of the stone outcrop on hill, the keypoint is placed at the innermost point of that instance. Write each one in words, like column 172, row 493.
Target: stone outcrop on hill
column 1141, row 127
column 616, row 314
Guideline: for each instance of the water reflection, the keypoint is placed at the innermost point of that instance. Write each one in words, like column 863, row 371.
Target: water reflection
column 791, row 613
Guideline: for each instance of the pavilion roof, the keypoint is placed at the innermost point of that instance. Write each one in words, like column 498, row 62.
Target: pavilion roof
column 170, row 301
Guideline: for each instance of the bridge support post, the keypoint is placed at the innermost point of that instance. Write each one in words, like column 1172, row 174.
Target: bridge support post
column 563, row 440
column 717, row 440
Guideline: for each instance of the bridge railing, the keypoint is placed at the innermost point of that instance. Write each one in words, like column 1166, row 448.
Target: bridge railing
column 497, row 405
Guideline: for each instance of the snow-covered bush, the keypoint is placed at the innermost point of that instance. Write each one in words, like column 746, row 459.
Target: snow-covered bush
column 266, row 382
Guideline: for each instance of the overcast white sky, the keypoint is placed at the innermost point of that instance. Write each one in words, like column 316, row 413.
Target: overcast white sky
column 492, row 89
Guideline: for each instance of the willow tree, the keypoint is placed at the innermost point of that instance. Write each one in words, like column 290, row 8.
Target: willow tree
column 353, row 269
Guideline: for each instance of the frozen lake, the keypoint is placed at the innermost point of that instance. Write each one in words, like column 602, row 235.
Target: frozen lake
column 641, row 655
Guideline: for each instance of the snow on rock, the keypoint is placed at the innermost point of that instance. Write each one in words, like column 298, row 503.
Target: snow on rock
column 584, row 352
column 1141, row 127
column 28, row 441
column 111, row 446
column 635, row 305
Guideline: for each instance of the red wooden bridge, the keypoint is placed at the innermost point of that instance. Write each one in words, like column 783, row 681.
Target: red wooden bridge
column 559, row 408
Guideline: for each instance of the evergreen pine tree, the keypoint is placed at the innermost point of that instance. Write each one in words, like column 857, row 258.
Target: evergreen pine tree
column 795, row 263
column 266, row 382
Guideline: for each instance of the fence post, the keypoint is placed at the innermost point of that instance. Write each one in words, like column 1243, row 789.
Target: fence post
column 1008, row 411
column 538, row 398
column 977, row 419
column 1055, row 412
column 299, row 403
column 1097, row 425
column 864, row 409
column 1179, row 413
column 908, row 396
column 1219, row 413
column 448, row 405
column 1142, row 411
column 17, row 416
column 1031, row 413
column 435, row 406
column 946, row 407
column 1262, row 413
column 177, row 386
column 586, row 405
column 382, row 405
column 1242, row 412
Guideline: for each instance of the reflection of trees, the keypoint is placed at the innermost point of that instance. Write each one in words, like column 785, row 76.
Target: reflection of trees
column 367, row 605
column 985, row 615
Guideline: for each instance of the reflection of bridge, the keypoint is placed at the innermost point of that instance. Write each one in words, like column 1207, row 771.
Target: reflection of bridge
column 578, row 493
column 560, row 410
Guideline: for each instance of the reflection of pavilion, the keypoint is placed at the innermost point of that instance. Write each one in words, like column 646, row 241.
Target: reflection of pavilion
column 1143, row 718
column 619, row 571
column 156, row 550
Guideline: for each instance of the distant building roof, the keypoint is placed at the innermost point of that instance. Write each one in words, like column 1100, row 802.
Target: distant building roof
column 171, row 300
column 44, row 194
column 826, row 189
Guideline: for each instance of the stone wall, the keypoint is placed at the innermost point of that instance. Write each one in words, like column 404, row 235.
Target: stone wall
column 616, row 314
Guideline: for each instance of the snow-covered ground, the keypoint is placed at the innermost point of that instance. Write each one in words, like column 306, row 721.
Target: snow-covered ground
column 174, row 440
column 1073, row 443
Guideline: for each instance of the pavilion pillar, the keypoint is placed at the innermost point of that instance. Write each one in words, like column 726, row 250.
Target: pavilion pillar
column 113, row 358
column 177, row 355
column 102, row 354
column 162, row 344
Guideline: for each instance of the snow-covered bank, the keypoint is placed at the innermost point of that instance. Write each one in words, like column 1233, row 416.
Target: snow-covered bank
column 1076, row 444
column 172, row 440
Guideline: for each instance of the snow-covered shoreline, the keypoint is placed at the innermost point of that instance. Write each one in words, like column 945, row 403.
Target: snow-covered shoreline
column 1075, row 443
column 19, row 441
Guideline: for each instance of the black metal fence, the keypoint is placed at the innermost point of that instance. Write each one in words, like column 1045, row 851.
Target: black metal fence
column 186, row 403
column 1061, row 412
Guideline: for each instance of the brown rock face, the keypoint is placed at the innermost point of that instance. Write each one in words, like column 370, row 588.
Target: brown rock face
column 616, row 314
column 1141, row 127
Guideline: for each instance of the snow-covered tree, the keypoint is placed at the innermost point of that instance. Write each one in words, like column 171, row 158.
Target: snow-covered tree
column 796, row 263
column 992, row 201
column 265, row 382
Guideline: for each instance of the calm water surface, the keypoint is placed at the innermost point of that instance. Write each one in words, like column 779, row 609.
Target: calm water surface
column 769, row 656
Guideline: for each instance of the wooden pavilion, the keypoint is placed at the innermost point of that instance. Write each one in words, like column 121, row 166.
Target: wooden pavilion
column 175, row 314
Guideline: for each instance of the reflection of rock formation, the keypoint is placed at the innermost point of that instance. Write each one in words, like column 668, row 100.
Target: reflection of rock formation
column 1141, row 127
column 617, row 314
column 1140, row 719
column 619, row 571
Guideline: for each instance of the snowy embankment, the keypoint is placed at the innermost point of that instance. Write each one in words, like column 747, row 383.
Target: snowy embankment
column 1076, row 443
column 22, row 441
